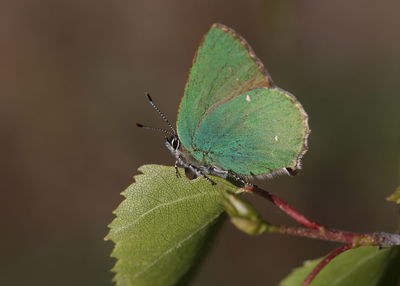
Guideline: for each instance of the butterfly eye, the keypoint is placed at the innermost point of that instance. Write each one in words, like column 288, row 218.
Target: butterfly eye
column 175, row 143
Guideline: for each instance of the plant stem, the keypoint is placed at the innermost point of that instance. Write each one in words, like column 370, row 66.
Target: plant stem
column 324, row 262
column 285, row 207
column 318, row 231
column 325, row 233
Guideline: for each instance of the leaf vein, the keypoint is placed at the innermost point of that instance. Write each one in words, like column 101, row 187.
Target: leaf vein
column 179, row 244
column 190, row 197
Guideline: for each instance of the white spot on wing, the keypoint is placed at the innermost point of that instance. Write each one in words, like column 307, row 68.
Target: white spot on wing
column 248, row 99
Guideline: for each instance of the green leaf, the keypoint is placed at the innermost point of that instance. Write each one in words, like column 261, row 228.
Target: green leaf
column 162, row 226
column 395, row 197
column 363, row 266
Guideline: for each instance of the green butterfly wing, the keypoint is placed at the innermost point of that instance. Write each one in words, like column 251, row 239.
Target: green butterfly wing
column 232, row 116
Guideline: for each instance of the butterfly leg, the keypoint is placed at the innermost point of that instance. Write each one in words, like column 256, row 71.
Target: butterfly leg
column 209, row 180
column 228, row 175
column 178, row 175
column 237, row 178
column 199, row 171
column 191, row 171
column 217, row 172
column 191, row 168
column 202, row 171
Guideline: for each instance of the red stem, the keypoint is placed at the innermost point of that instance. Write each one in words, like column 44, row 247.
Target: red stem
column 316, row 230
column 331, row 234
column 324, row 262
column 285, row 207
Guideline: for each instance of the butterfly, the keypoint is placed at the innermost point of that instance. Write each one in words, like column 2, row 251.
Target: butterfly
column 233, row 121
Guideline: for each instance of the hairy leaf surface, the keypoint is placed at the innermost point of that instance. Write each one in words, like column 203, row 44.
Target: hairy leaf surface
column 162, row 226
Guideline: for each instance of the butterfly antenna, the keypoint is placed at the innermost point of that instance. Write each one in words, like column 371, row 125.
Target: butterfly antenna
column 160, row 113
column 154, row 128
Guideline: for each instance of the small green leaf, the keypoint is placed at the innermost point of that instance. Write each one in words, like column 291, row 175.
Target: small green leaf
column 395, row 197
column 243, row 215
column 163, row 225
column 363, row 266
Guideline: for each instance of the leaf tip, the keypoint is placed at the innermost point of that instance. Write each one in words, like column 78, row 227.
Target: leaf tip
column 395, row 197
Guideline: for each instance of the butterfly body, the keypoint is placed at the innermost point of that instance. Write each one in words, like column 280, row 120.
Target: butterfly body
column 193, row 168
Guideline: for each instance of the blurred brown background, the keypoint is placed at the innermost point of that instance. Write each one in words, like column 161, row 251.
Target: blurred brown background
column 73, row 76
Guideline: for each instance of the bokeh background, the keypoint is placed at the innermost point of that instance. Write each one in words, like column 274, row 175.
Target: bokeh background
column 73, row 76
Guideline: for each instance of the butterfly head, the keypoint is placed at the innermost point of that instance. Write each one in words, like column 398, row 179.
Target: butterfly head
column 173, row 142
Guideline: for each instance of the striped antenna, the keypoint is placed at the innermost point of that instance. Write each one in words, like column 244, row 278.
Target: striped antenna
column 160, row 113
column 155, row 128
